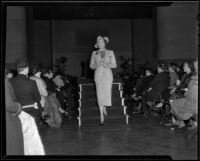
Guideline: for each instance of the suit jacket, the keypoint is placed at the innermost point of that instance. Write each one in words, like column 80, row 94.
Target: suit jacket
column 184, row 81
column 14, row 135
column 144, row 85
column 51, row 86
column 26, row 92
column 160, row 83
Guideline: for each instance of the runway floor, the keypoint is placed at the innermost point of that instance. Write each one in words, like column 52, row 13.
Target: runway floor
column 141, row 137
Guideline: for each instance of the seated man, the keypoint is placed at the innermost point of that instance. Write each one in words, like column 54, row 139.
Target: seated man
column 142, row 86
column 160, row 82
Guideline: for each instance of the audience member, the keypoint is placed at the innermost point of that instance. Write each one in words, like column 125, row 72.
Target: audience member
column 185, row 108
column 181, row 86
column 26, row 90
column 172, row 68
column 10, row 72
column 145, row 82
column 160, row 83
column 66, row 88
column 14, row 135
column 36, row 74
column 53, row 89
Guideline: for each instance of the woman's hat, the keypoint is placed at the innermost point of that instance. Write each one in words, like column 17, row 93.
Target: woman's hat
column 36, row 70
column 106, row 39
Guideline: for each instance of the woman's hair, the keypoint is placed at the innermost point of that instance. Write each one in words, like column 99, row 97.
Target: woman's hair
column 162, row 66
column 150, row 70
column 173, row 66
column 190, row 65
column 46, row 71
column 10, row 70
column 105, row 40
column 36, row 70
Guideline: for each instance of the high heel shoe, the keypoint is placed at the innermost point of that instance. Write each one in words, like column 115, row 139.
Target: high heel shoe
column 101, row 123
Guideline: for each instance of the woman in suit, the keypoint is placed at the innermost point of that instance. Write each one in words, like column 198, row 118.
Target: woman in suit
column 102, row 60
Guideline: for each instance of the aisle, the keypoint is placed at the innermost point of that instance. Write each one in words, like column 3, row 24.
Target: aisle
column 141, row 137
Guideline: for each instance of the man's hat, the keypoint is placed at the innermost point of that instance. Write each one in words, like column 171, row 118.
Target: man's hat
column 21, row 63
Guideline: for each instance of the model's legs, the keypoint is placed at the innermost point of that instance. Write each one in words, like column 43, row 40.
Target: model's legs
column 104, row 110
column 101, row 108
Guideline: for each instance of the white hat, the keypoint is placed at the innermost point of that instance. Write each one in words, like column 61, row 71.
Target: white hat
column 103, row 38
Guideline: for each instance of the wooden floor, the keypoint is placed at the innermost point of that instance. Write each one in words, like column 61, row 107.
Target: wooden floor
column 141, row 137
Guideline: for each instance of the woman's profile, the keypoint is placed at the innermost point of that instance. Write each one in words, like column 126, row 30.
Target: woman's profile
column 102, row 60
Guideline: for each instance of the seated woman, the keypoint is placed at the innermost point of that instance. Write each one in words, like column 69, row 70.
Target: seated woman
column 157, row 86
column 35, row 75
column 65, row 87
column 181, row 86
column 10, row 72
column 52, row 106
column 184, row 108
column 53, row 89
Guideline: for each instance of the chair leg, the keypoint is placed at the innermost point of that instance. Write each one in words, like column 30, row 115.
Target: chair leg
column 193, row 133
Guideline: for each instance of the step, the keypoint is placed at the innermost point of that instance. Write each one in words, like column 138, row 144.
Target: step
column 90, row 103
column 93, row 95
column 94, row 99
column 93, row 112
column 109, row 124
column 93, row 88
column 89, row 107
column 94, row 92
column 91, row 80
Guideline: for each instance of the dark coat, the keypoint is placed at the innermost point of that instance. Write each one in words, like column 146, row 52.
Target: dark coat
column 14, row 135
column 144, row 85
column 27, row 93
column 159, row 84
column 184, row 81
column 51, row 86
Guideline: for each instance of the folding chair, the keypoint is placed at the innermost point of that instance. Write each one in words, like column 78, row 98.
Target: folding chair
column 195, row 130
column 165, row 109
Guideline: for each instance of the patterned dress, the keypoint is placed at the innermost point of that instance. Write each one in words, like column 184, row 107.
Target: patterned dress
column 102, row 62
column 188, row 106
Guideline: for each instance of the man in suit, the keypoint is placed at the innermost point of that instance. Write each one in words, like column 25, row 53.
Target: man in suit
column 26, row 90
column 142, row 86
column 14, row 135
column 157, row 86
column 145, row 82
